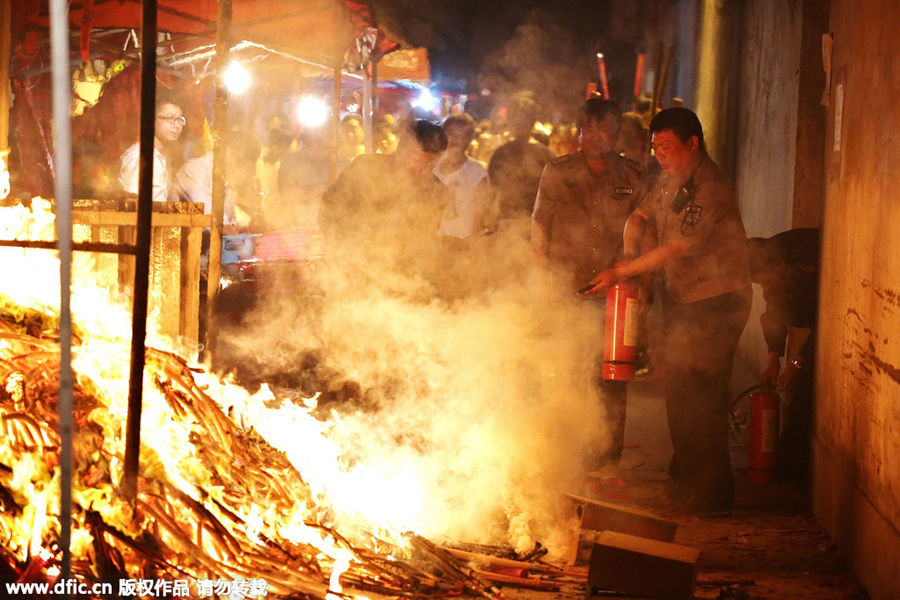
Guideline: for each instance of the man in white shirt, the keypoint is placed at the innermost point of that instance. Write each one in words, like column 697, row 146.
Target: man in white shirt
column 467, row 177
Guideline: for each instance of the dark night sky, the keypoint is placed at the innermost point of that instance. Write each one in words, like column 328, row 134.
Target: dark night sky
column 505, row 45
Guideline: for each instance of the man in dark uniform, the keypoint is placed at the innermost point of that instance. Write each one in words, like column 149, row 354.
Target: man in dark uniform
column 706, row 303
column 787, row 268
column 582, row 205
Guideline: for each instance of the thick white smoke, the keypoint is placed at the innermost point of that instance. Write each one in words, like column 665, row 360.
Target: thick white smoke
column 474, row 412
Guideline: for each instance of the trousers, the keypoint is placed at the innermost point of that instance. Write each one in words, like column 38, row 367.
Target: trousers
column 700, row 343
column 793, row 453
column 612, row 397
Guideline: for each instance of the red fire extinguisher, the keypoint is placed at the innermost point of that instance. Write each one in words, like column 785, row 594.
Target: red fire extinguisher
column 620, row 343
column 765, row 405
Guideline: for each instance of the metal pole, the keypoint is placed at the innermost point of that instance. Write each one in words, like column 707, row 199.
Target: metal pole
column 220, row 127
column 62, row 137
column 367, row 107
column 374, row 94
column 335, row 122
column 78, row 247
column 5, row 35
column 335, row 99
column 142, row 254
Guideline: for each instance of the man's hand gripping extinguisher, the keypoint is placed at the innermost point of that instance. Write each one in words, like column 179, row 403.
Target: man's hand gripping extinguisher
column 620, row 343
column 765, row 408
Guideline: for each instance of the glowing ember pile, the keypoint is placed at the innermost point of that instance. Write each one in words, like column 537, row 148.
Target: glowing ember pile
column 216, row 501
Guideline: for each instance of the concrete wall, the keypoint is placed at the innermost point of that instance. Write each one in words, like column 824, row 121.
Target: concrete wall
column 767, row 121
column 717, row 77
column 792, row 170
column 857, row 446
column 767, row 105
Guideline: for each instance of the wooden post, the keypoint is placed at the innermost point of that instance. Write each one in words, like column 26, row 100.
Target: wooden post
column 192, row 239
column 639, row 75
column 663, row 77
column 220, row 127
column 654, row 102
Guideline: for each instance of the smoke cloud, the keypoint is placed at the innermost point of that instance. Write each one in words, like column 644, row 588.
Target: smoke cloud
column 544, row 58
column 471, row 411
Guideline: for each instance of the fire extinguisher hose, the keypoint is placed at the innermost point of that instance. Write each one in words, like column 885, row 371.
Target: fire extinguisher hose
column 747, row 392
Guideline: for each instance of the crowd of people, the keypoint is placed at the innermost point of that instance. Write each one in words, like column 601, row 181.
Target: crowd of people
column 276, row 181
column 615, row 196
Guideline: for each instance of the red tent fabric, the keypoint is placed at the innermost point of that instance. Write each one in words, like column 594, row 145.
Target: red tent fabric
column 316, row 30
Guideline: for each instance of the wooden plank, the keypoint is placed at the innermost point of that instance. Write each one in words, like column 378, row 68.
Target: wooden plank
column 645, row 568
column 127, row 219
column 175, row 257
column 165, row 291
column 190, row 286
column 603, row 516
column 496, row 561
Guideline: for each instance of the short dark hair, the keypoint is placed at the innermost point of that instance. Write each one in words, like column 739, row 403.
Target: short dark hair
column 523, row 109
column 597, row 109
column 682, row 122
column 462, row 120
column 428, row 135
column 164, row 96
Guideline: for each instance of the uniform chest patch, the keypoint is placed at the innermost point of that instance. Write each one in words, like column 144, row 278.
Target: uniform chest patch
column 692, row 216
column 624, row 190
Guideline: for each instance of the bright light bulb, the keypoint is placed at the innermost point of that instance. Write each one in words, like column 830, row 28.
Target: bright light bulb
column 425, row 100
column 237, row 78
column 312, row 112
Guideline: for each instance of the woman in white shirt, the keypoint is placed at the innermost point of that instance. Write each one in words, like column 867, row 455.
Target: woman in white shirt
column 169, row 124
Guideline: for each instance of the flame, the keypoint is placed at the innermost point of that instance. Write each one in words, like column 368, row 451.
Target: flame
column 324, row 505
column 341, row 565
column 37, row 526
column 172, row 445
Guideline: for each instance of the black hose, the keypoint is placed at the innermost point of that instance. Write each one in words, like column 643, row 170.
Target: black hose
column 747, row 392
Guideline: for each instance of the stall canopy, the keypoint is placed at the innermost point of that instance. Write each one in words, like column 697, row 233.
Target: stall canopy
column 299, row 42
column 316, row 31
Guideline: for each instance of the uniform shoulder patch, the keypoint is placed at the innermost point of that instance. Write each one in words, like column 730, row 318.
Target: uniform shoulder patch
column 634, row 165
column 561, row 159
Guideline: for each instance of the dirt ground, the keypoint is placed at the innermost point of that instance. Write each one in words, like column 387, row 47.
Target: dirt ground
column 769, row 546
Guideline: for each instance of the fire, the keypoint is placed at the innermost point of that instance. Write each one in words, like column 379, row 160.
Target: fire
column 225, row 489
column 341, row 564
